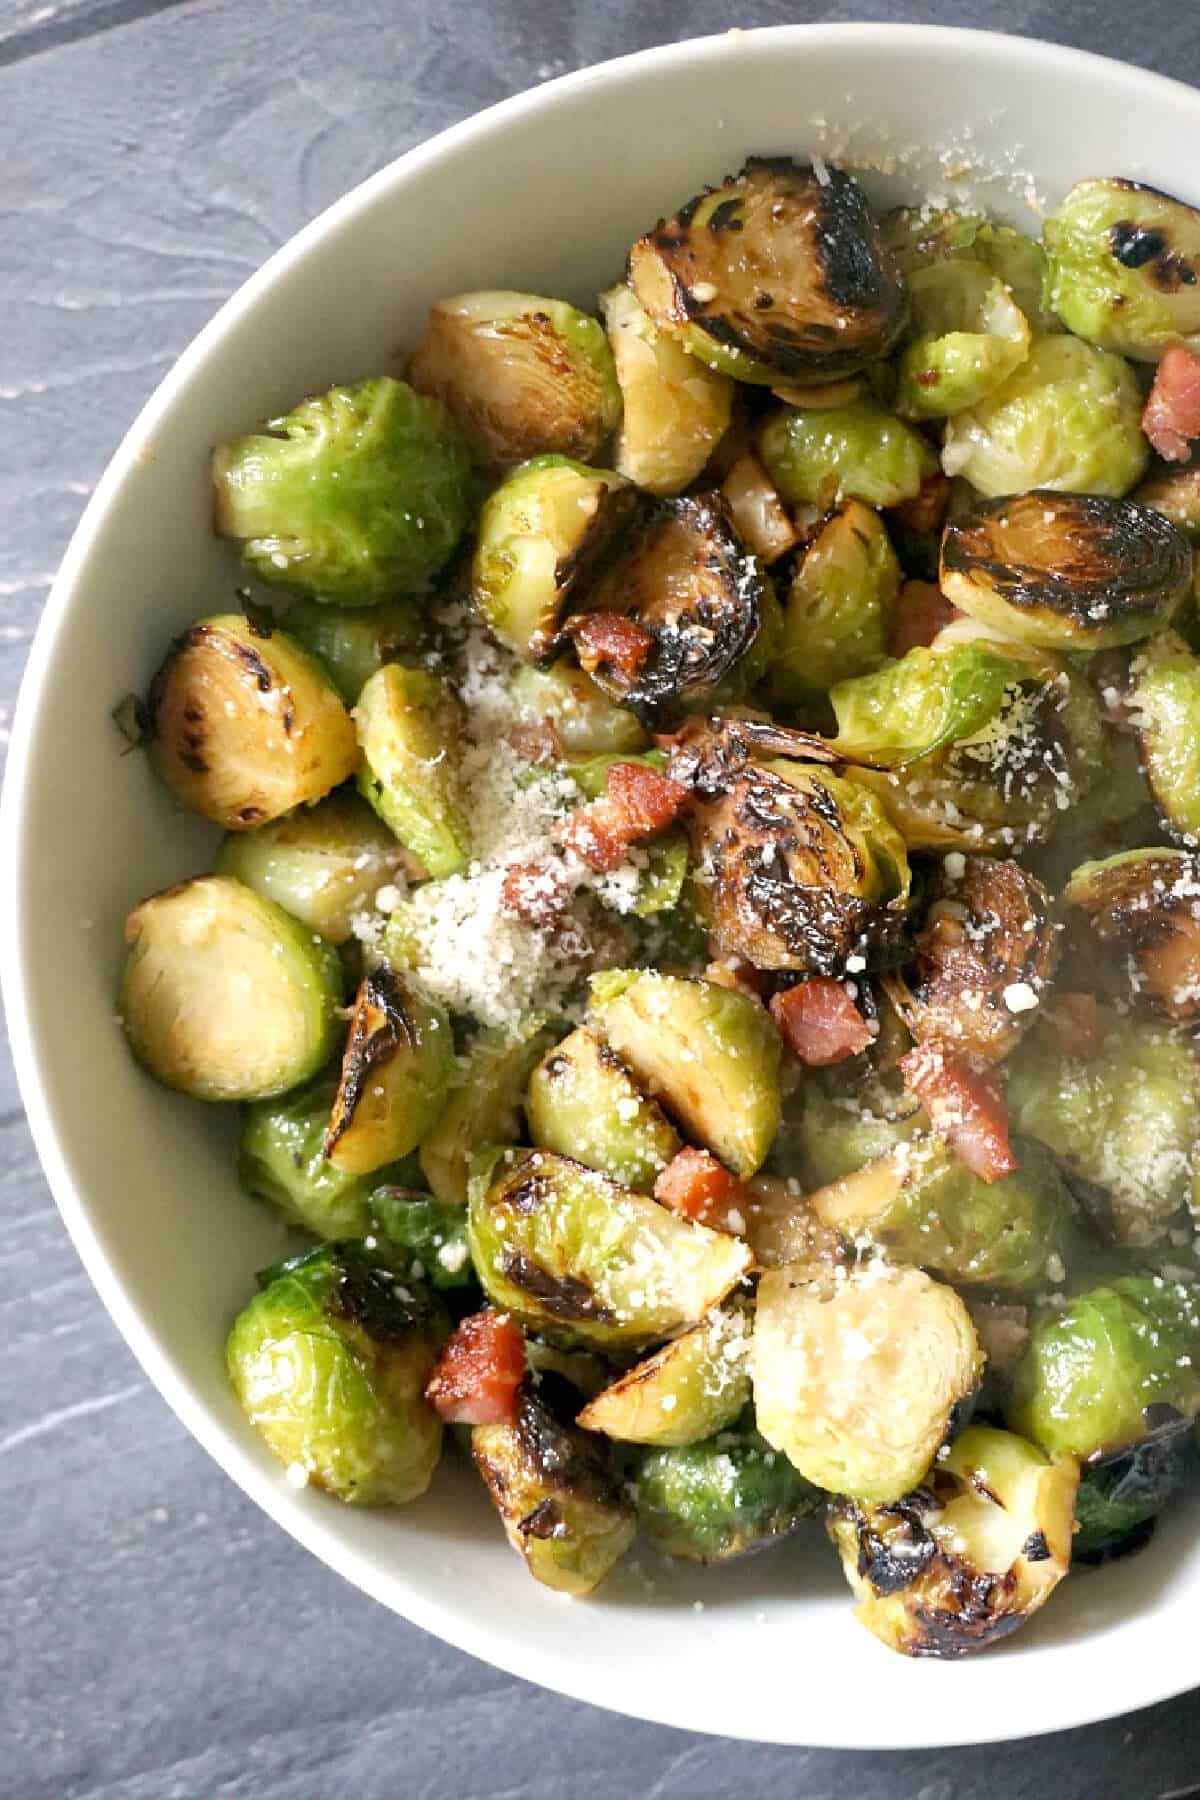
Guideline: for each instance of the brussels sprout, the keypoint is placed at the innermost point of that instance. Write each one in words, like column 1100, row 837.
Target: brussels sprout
column 1165, row 703
column 1123, row 265
column 758, row 514
column 583, row 718
column 1119, row 1500
column 675, row 407
column 540, row 533
column 1109, row 1367
column 224, row 995
column 963, row 1562
column 1124, row 1121
column 837, row 1129
column 837, row 610
column 572, row 1252
column 329, row 1361
column 409, row 726
column 243, row 724
column 855, row 452
column 859, row 1377
column 1069, row 417
column 914, row 706
column 778, row 274
column 433, row 1232
column 562, row 1510
column 396, row 1074
column 583, row 1102
column 732, row 1493
column 353, row 496
column 694, row 1386
column 781, row 1228
column 919, row 238
column 1173, row 489
column 282, row 1160
column 1066, row 571
column 1147, row 903
column 521, row 375
column 969, row 335
column 711, row 1055
column 484, row 1105
column 352, row 642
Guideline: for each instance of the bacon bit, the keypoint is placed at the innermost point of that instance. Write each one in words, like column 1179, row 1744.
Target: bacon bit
column 965, row 1108
column 610, row 640
column 820, row 1023
column 1076, row 1023
column 536, row 893
column 926, row 511
column 636, row 803
column 922, row 610
column 1171, row 419
column 592, row 832
column 698, row 1187
column 476, row 1378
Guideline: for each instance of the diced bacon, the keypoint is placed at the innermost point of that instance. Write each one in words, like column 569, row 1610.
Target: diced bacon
column 921, row 612
column 594, row 833
column 1076, row 1023
column 476, row 1378
column 820, row 1023
column 1171, row 419
column 537, row 893
column 926, row 511
column 636, row 803
column 698, row 1187
column 965, row 1108
column 609, row 640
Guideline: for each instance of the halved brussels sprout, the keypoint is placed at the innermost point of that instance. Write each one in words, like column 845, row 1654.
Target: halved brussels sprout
column 329, row 1362
column 428, row 1237
column 572, row 1252
column 583, row 718
column 352, row 642
column 410, row 727
column 837, row 609
column 484, row 1106
column 918, row 237
column 855, row 452
column 522, row 375
column 561, row 1507
column 675, row 407
column 1124, row 262
column 541, row 532
column 694, row 1386
column 730, row 1494
column 1108, row 1368
column 244, row 725
column 396, row 1074
column 1069, row 417
column 1173, row 489
column 583, row 1102
column 859, row 1376
column 1165, row 703
column 778, row 274
column 1147, row 903
column 964, row 1561
column 916, row 705
column 282, row 1160
column 969, row 335
column 224, row 995
column 711, row 1055
column 1119, row 1499
column 759, row 515
column 353, row 496
column 1067, row 571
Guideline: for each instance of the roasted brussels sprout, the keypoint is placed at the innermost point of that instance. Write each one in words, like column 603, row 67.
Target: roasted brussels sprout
column 523, row 376
column 572, row 1252
column 1165, row 703
column 694, row 1386
column 759, row 516
column 224, row 995
column 711, row 1055
column 918, row 238
column 1173, row 489
column 329, row 1362
column 409, row 727
column 484, row 1106
column 1108, row 1368
column 965, row 1560
column 396, row 1074
column 583, row 1102
column 584, row 720
column 837, row 607
column 429, row 1237
column 916, row 705
column 1066, row 571
column 282, row 1160
column 1119, row 1499
column 244, row 725
column 732, row 1493
column 859, row 1376
column 675, row 407
column 1123, row 266
column 834, row 1129
column 1069, row 417
column 969, row 335
column 353, row 496
column 778, row 274
column 1147, row 903
column 859, row 451
column 353, row 641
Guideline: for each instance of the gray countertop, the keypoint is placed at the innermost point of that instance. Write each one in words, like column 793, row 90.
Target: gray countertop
column 158, row 1636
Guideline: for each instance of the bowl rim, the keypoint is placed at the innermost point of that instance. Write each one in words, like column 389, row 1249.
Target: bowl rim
column 450, row 1622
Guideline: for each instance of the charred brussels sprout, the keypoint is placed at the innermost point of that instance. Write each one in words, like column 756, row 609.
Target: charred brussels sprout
column 583, row 1102
column 396, row 1074
column 521, row 375
column 409, row 726
column 484, row 1106
column 694, row 1386
column 732, row 1493
column 244, row 725
column 224, row 995
column 1147, row 903
column 1165, row 702
column 915, row 706
column 837, row 606
column 1119, row 1499
column 859, row 451
column 777, row 275
column 584, row 720
column 352, row 642
column 675, row 407
column 1123, row 267
column 282, row 1160
column 969, row 335
column 353, row 496
column 960, row 1563
column 433, row 1233
column 329, row 1362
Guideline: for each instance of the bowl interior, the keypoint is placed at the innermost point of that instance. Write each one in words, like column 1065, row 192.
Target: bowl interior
column 543, row 193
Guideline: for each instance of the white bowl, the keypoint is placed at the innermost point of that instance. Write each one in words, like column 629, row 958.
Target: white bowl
column 544, row 192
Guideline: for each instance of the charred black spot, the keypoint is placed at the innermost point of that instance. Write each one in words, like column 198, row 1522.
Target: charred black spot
column 249, row 815
column 1134, row 246
column 288, row 719
column 377, row 1300
column 894, row 1546
column 254, row 665
column 763, row 302
column 529, row 1194
column 687, row 211
column 562, row 1296
column 559, row 1454
column 846, row 241
column 556, row 1067
column 1035, row 1548
column 259, row 618
column 545, row 1521
column 726, row 216
column 382, row 1025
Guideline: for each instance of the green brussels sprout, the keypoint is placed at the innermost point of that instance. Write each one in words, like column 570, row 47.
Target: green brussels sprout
column 859, row 451
column 918, row 238
column 732, row 1493
column 1107, row 1368
column 522, row 376
column 583, row 1102
column 778, row 274
column 1120, row 1499
column 1065, row 571
column 584, row 720
column 1123, row 263
column 696, row 1385
column 574, row 1253
column 224, row 995
column 352, row 642
column 1146, row 903
column 1165, row 703
column 324, row 864
column 353, row 496
column 484, row 1105
column 282, row 1160
column 836, row 1129
column 675, row 407
column 1069, row 417
column 396, row 1074
column 1173, row 489
column 244, row 725
column 859, row 1376
column 914, row 706
column 837, row 610
column 759, row 516
column 966, row 1560
column 710, row 1054
column 970, row 334
column 432, row 1232
column 562, row 1510
column 329, row 1361
column 409, row 727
